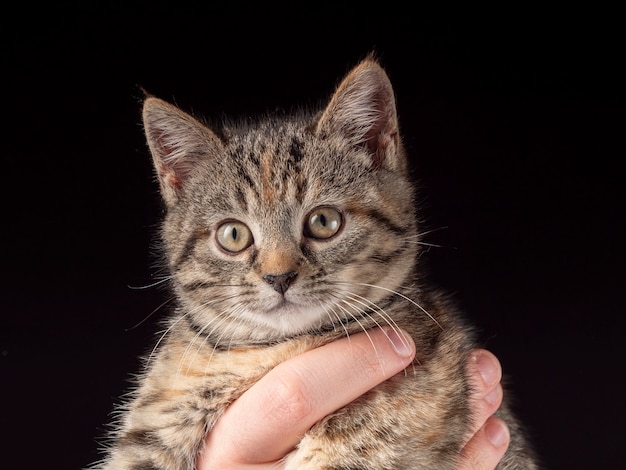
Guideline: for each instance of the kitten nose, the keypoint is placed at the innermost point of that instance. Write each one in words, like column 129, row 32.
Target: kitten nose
column 280, row 282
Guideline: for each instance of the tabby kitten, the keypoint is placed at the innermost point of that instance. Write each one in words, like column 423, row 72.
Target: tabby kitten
column 282, row 236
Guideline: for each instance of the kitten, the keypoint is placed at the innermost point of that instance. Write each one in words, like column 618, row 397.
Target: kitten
column 282, row 236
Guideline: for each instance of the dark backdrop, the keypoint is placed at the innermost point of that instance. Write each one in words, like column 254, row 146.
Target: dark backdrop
column 515, row 125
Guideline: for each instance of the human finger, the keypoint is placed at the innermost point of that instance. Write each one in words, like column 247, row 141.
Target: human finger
column 489, row 436
column 486, row 447
column 485, row 373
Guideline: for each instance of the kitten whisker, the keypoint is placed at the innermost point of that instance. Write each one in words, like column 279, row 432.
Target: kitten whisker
column 428, row 232
column 339, row 319
column 419, row 237
column 388, row 320
column 224, row 317
column 144, row 319
column 421, row 243
column 154, row 284
column 199, row 333
column 165, row 333
column 371, row 306
column 234, row 316
column 408, row 299
column 220, row 318
column 365, row 330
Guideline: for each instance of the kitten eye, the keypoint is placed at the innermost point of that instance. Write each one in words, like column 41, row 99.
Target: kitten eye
column 234, row 236
column 323, row 223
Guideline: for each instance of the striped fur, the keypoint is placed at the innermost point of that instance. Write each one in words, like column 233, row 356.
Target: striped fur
column 280, row 183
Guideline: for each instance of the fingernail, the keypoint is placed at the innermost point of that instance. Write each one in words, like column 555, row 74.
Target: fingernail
column 402, row 343
column 487, row 368
column 497, row 432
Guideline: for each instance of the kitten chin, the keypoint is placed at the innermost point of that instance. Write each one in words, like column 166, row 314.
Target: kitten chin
column 287, row 318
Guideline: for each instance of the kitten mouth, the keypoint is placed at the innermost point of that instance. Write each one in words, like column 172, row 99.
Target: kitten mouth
column 282, row 305
column 287, row 317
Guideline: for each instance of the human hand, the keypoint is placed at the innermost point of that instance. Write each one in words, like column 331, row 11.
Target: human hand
column 268, row 421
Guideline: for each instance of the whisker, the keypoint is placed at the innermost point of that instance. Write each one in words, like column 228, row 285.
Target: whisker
column 142, row 321
column 220, row 318
column 162, row 337
column 330, row 311
column 234, row 316
column 379, row 311
column 433, row 245
column 365, row 330
column 149, row 286
column 428, row 232
column 390, row 322
column 187, row 351
column 223, row 317
column 405, row 298
column 420, row 235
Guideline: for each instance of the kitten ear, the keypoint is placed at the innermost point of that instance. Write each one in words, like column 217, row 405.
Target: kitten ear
column 363, row 109
column 177, row 142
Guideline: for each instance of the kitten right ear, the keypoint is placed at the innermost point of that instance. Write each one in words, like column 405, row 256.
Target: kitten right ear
column 177, row 142
column 363, row 109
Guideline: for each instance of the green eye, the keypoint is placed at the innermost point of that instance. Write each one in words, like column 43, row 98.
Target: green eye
column 323, row 223
column 234, row 236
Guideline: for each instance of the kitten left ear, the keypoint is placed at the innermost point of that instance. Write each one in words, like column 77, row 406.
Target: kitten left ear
column 363, row 109
column 177, row 142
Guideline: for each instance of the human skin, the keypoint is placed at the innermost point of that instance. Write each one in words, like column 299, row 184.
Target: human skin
column 296, row 394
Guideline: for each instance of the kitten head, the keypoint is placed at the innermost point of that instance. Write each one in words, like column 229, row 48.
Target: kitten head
column 289, row 225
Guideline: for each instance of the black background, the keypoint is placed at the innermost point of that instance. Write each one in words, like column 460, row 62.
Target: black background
column 516, row 128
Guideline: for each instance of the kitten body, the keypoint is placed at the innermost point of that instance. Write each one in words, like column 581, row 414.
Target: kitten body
column 282, row 236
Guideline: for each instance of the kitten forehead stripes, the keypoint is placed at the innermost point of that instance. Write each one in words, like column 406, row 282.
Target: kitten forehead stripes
column 266, row 161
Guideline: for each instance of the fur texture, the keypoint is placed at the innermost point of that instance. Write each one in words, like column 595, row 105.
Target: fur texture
column 282, row 236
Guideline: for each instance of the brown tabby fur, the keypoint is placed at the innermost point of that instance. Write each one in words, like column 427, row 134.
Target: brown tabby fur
column 232, row 325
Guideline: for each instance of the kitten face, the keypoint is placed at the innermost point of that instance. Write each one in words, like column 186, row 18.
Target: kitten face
column 286, row 227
